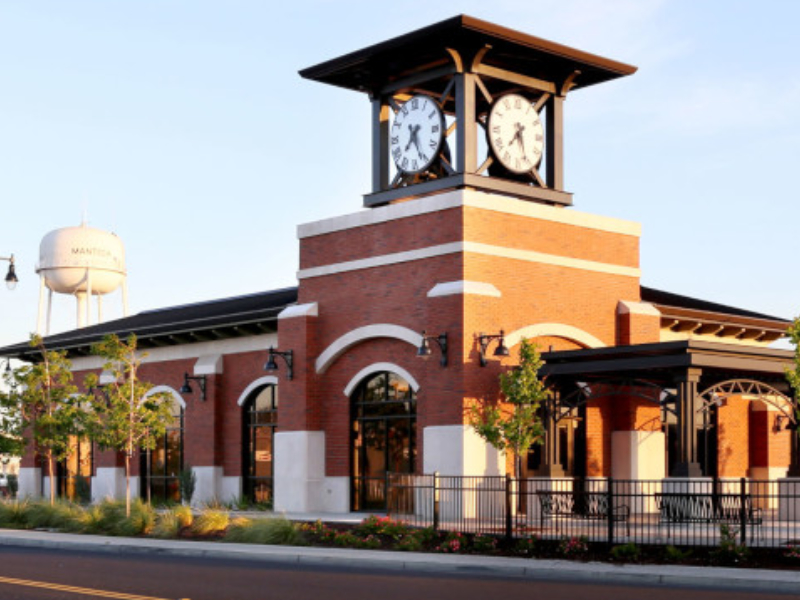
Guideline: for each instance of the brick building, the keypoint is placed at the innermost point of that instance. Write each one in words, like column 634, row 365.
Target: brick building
column 468, row 258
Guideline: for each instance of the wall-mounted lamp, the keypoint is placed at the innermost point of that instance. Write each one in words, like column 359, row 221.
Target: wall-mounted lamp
column 780, row 423
column 424, row 350
column 187, row 389
column 287, row 356
column 11, row 276
column 483, row 344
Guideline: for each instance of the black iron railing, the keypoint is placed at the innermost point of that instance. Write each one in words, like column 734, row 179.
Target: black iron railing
column 680, row 512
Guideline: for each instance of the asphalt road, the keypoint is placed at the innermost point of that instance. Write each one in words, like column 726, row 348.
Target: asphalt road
column 33, row 574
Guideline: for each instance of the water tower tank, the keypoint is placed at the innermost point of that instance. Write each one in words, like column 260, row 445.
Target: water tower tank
column 84, row 262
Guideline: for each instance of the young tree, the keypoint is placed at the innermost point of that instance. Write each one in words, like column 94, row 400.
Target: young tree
column 123, row 417
column 44, row 407
column 514, row 423
column 793, row 374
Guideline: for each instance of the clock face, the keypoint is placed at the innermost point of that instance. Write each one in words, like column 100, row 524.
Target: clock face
column 515, row 133
column 417, row 134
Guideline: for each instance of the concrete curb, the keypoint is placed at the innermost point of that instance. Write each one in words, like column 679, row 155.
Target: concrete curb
column 757, row 580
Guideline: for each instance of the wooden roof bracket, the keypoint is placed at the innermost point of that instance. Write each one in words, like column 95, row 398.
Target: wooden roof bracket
column 569, row 83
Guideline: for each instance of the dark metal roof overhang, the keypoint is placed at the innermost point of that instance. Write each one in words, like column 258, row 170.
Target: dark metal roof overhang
column 661, row 362
column 240, row 316
column 381, row 66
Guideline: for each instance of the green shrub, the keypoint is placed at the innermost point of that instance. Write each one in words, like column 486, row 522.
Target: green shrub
column 187, row 482
column 184, row 515
column 167, row 525
column 61, row 515
column 676, row 555
column 278, row 531
column 141, row 521
column 729, row 551
column 453, row 543
column 409, row 543
column 211, row 521
column 13, row 515
column 344, row 539
column 573, row 547
column 485, row 544
column 626, row 552
column 13, row 484
column 526, row 546
column 368, row 542
column 374, row 525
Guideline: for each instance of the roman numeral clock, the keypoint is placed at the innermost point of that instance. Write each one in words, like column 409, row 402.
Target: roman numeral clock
column 467, row 104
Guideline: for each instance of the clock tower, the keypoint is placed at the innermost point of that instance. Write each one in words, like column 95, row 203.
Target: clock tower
column 467, row 104
column 465, row 243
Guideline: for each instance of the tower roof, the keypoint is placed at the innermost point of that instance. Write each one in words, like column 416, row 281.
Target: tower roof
column 370, row 69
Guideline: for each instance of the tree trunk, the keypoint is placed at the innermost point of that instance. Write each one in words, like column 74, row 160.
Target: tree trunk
column 52, row 470
column 127, row 485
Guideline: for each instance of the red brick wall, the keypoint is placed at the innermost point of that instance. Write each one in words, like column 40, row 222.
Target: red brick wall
column 531, row 293
column 734, row 436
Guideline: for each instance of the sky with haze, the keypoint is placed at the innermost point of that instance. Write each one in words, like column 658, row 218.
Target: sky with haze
column 184, row 127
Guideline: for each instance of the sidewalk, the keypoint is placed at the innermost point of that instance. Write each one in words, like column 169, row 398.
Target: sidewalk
column 704, row 577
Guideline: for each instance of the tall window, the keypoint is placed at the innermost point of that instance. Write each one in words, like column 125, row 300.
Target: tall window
column 75, row 473
column 260, row 420
column 162, row 465
column 384, row 431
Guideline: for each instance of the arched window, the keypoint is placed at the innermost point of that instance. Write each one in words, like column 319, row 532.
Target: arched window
column 258, row 443
column 384, row 436
column 162, row 466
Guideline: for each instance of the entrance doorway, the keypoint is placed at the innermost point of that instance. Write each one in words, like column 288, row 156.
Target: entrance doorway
column 383, row 437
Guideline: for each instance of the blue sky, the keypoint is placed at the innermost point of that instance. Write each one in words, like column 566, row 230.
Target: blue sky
column 184, row 127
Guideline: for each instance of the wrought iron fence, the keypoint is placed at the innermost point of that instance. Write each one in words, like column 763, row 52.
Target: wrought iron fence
column 680, row 512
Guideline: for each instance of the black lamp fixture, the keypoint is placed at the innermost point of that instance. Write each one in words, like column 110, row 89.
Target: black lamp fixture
column 424, row 350
column 781, row 423
column 11, row 276
column 287, row 356
column 483, row 344
column 186, row 388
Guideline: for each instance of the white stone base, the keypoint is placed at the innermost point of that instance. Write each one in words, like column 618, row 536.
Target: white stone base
column 336, row 495
column 110, row 483
column 639, row 455
column 299, row 471
column 30, row 482
column 789, row 499
column 207, row 486
column 230, row 488
column 458, row 450
column 46, row 482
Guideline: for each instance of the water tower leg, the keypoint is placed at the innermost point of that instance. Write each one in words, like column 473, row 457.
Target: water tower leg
column 88, row 297
column 49, row 311
column 40, row 317
column 80, row 297
column 125, row 296
column 99, row 309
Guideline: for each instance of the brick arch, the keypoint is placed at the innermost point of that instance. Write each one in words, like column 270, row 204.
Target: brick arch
column 361, row 334
column 560, row 330
column 376, row 368
column 261, row 381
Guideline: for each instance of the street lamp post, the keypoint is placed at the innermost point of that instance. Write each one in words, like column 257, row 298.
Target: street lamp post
column 11, row 276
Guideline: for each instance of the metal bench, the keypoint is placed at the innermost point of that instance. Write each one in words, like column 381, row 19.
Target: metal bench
column 580, row 505
column 679, row 508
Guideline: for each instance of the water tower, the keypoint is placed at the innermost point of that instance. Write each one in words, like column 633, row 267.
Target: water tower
column 83, row 262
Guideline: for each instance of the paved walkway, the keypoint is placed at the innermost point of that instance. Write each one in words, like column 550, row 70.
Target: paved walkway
column 740, row 579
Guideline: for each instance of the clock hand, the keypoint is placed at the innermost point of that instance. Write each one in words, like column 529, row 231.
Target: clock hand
column 413, row 138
